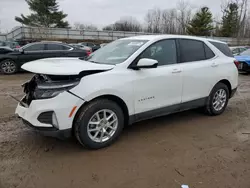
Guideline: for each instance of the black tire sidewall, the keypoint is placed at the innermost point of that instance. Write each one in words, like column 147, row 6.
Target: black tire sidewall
column 215, row 89
column 1, row 70
column 87, row 113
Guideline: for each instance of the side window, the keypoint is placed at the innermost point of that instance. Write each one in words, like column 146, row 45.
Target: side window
column 90, row 44
column 209, row 52
column 192, row 50
column 223, row 47
column 57, row 47
column 35, row 47
column 163, row 51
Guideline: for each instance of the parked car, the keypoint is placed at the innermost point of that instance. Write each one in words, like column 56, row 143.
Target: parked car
column 243, row 61
column 91, row 45
column 5, row 49
column 236, row 50
column 10, row 44
column 88, row 49
column 103, row 44
column 10, row 63
column 129, row 80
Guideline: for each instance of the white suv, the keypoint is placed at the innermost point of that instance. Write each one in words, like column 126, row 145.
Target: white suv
column 128, row 80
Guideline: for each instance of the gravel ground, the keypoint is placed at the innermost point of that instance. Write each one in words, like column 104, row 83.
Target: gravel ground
column 185, row 148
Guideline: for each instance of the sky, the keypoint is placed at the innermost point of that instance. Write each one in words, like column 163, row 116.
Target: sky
column 97, row 12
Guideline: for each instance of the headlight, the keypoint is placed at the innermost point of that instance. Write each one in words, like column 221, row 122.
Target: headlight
column 44, row 91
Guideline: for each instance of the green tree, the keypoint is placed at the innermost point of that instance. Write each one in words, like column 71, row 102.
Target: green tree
column 45, row 13
column 202, row 23
column 230, row 20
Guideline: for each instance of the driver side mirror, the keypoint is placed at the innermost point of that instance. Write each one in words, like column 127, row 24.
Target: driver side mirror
column 146, row 63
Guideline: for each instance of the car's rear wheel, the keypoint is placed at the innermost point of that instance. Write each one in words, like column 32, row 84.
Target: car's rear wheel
column 99, row 124
column 217, row 100
column 8, row 66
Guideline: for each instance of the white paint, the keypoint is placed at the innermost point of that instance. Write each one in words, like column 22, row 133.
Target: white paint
column 62, row 66
column 162, row 86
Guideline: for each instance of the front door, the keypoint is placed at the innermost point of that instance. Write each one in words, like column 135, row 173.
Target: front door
column 32, row 52
column 158, row 90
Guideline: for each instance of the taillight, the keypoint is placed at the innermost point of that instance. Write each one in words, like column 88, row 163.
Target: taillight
column 237, row 63
column 18, row 46
column 88, row 52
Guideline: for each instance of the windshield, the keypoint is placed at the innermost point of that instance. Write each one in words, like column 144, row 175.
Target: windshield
column 116, row 52
column 247, row 52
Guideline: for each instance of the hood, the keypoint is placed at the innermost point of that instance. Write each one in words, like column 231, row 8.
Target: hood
column 63, row 66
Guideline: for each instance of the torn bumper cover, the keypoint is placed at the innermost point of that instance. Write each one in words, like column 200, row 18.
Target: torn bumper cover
column 50, row 116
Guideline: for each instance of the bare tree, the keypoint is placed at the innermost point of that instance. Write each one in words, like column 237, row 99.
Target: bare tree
column 243, row 9
column 169, row 21
column 125, row 24
column 153, row 20
column 81, row 26
column 184, row 15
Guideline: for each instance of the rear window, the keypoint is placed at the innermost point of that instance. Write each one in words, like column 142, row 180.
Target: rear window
column 223, row 48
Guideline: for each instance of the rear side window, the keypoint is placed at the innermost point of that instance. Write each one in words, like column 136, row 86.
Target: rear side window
column 192, row 50
column 57, row 47
column 223, row 48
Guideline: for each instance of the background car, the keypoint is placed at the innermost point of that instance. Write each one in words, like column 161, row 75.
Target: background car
column 12, row 61
column 243, row 61
column 103, row 44
column 11, row 44
column 5, row 49
column 236, row 50
column 91, row 45
column 88, row 49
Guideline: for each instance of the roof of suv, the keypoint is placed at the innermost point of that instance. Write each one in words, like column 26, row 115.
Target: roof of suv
column 159, row 37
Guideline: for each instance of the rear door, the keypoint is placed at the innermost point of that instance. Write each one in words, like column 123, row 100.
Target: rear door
column 199, row 66
column 56, row 50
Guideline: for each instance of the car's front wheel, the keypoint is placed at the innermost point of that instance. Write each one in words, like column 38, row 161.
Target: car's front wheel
column 8, row 66
column 99, row 124
column 217, row 100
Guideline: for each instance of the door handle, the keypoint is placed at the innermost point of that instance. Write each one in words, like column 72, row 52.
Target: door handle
column 176, row 71
column 214, row 65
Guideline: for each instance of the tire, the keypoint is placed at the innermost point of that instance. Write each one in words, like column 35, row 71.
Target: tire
column 8, row 66
column 210, row 107
column 88, row 114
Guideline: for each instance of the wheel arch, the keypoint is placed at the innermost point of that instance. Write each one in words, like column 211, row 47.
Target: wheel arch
column 227, row 83
column 110, row 97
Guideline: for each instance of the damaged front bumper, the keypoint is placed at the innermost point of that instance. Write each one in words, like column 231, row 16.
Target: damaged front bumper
column 51, row 117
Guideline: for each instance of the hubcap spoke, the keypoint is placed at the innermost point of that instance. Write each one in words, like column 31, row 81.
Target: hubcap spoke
column 102, row 125
column 8, row 67
column 219, row 99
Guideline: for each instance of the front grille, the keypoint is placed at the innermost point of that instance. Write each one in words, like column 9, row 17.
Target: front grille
column 45, row 117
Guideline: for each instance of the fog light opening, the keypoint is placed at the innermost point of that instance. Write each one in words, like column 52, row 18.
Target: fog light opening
column 54, row 120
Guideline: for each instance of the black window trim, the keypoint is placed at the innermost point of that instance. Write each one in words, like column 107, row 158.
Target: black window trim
column 179, row 49
column 135, row 61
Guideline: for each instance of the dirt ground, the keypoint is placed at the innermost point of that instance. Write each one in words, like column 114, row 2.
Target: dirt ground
column 185, row 148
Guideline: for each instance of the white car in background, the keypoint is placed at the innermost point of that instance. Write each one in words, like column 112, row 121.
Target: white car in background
column 129, row 80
